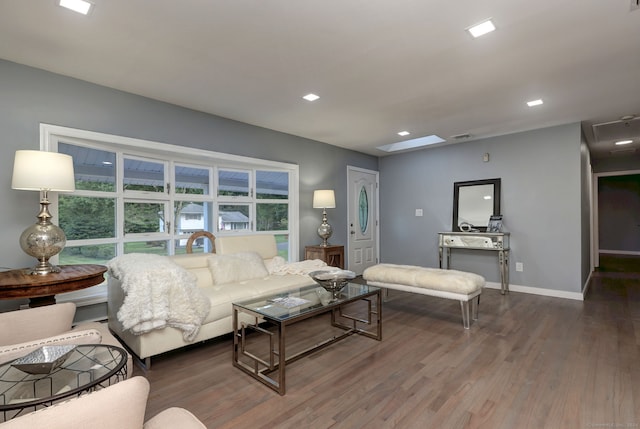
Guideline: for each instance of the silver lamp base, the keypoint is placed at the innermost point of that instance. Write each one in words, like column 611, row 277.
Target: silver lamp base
column 43, row 240
column 324, row 230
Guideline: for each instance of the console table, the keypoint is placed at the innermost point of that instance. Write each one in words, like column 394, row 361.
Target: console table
column 488, row 241
column 41, row 289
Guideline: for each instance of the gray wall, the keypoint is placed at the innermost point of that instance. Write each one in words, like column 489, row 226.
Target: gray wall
column 541, row 203
column 616, row 163
column 31, row 96
column 586, row 205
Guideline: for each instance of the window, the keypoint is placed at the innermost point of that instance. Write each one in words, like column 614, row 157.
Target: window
column 145, row 197
column 233, row 183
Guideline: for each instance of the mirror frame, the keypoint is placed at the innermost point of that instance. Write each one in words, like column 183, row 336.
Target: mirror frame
column 496, row 200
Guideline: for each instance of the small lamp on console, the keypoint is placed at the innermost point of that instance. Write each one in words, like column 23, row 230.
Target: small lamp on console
column 41, row 171
column 324, row 199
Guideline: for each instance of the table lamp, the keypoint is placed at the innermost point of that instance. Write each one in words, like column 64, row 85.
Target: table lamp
column 35, row 170
column 324, row 199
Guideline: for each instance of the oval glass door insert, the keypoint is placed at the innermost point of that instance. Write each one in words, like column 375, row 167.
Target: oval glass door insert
column 363, row 210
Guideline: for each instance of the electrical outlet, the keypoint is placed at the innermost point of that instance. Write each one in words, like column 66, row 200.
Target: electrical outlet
column 418, row 212
column 519, row 266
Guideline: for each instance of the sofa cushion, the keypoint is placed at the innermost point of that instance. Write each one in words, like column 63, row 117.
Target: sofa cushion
column 236, row 267
column 223, row 296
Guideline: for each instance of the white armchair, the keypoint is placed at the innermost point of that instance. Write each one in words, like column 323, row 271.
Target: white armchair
column 121, row 406
column 26, row 330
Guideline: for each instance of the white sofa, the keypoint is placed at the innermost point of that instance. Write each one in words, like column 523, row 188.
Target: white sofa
column 221, row 287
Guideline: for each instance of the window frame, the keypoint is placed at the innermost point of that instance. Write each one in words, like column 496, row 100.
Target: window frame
column 172, row 156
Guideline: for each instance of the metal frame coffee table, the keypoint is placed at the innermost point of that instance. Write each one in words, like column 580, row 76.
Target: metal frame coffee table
column 88, row 367
column 280, row 310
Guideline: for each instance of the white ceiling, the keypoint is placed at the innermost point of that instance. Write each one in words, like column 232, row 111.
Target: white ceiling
column 379, row 66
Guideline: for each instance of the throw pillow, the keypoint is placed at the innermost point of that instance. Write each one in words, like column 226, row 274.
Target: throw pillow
column 236, row 267
column 274, row 263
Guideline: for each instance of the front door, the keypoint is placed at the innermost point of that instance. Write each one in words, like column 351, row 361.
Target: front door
column 363, row 219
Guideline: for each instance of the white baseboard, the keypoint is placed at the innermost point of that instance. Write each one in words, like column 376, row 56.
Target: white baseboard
column 539, row 291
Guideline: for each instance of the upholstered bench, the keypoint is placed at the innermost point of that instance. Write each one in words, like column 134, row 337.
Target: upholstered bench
column 452, row 284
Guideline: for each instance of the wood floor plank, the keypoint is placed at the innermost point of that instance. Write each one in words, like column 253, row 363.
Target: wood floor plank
column 528, row 362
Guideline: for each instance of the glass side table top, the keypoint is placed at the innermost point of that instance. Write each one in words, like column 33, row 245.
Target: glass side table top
column 86, row 367
column 293, row 303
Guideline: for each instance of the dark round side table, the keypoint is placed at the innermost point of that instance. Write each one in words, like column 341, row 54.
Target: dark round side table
column 41, row 289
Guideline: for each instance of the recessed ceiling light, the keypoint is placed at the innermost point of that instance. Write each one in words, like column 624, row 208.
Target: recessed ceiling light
column 487, row 197
column 107, row 163
column 411, row 144
column 623, row 142
column 534, row 103
column 404, row 133
column 80, row 6
column 482, row 28
column 311, row 97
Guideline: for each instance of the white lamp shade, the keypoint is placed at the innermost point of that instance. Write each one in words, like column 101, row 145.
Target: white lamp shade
column 35, row 170
column 324, row 199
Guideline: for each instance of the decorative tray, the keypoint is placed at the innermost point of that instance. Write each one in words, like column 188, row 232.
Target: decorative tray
column 43, row 360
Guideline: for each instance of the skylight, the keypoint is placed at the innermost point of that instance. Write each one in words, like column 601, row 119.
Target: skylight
column 80, row 6
column 482, row 28
column 412, row 144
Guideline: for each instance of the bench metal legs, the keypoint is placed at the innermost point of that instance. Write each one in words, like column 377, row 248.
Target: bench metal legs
column 473, row 303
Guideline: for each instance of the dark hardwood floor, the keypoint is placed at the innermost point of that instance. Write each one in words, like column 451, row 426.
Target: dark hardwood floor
column 529, row 362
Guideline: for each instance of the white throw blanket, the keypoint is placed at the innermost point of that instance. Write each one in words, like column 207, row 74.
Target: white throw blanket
column 301, row 268
column 158, row 293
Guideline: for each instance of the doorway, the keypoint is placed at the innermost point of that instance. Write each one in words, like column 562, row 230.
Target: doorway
column 617, row 221
column 362, row 217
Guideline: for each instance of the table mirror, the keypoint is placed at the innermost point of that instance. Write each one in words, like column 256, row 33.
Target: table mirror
column 474, row 202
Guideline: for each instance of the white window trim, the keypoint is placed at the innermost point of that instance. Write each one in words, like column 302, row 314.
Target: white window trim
column 49, row 134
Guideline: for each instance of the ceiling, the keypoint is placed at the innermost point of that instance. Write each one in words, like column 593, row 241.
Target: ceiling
column 379, row 66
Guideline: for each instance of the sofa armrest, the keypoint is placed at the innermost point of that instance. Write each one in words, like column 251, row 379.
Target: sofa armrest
column 115, row 299
column 174, row 418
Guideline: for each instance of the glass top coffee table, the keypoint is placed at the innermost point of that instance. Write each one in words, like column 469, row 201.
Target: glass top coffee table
column 356, row 310
column 87, row 368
